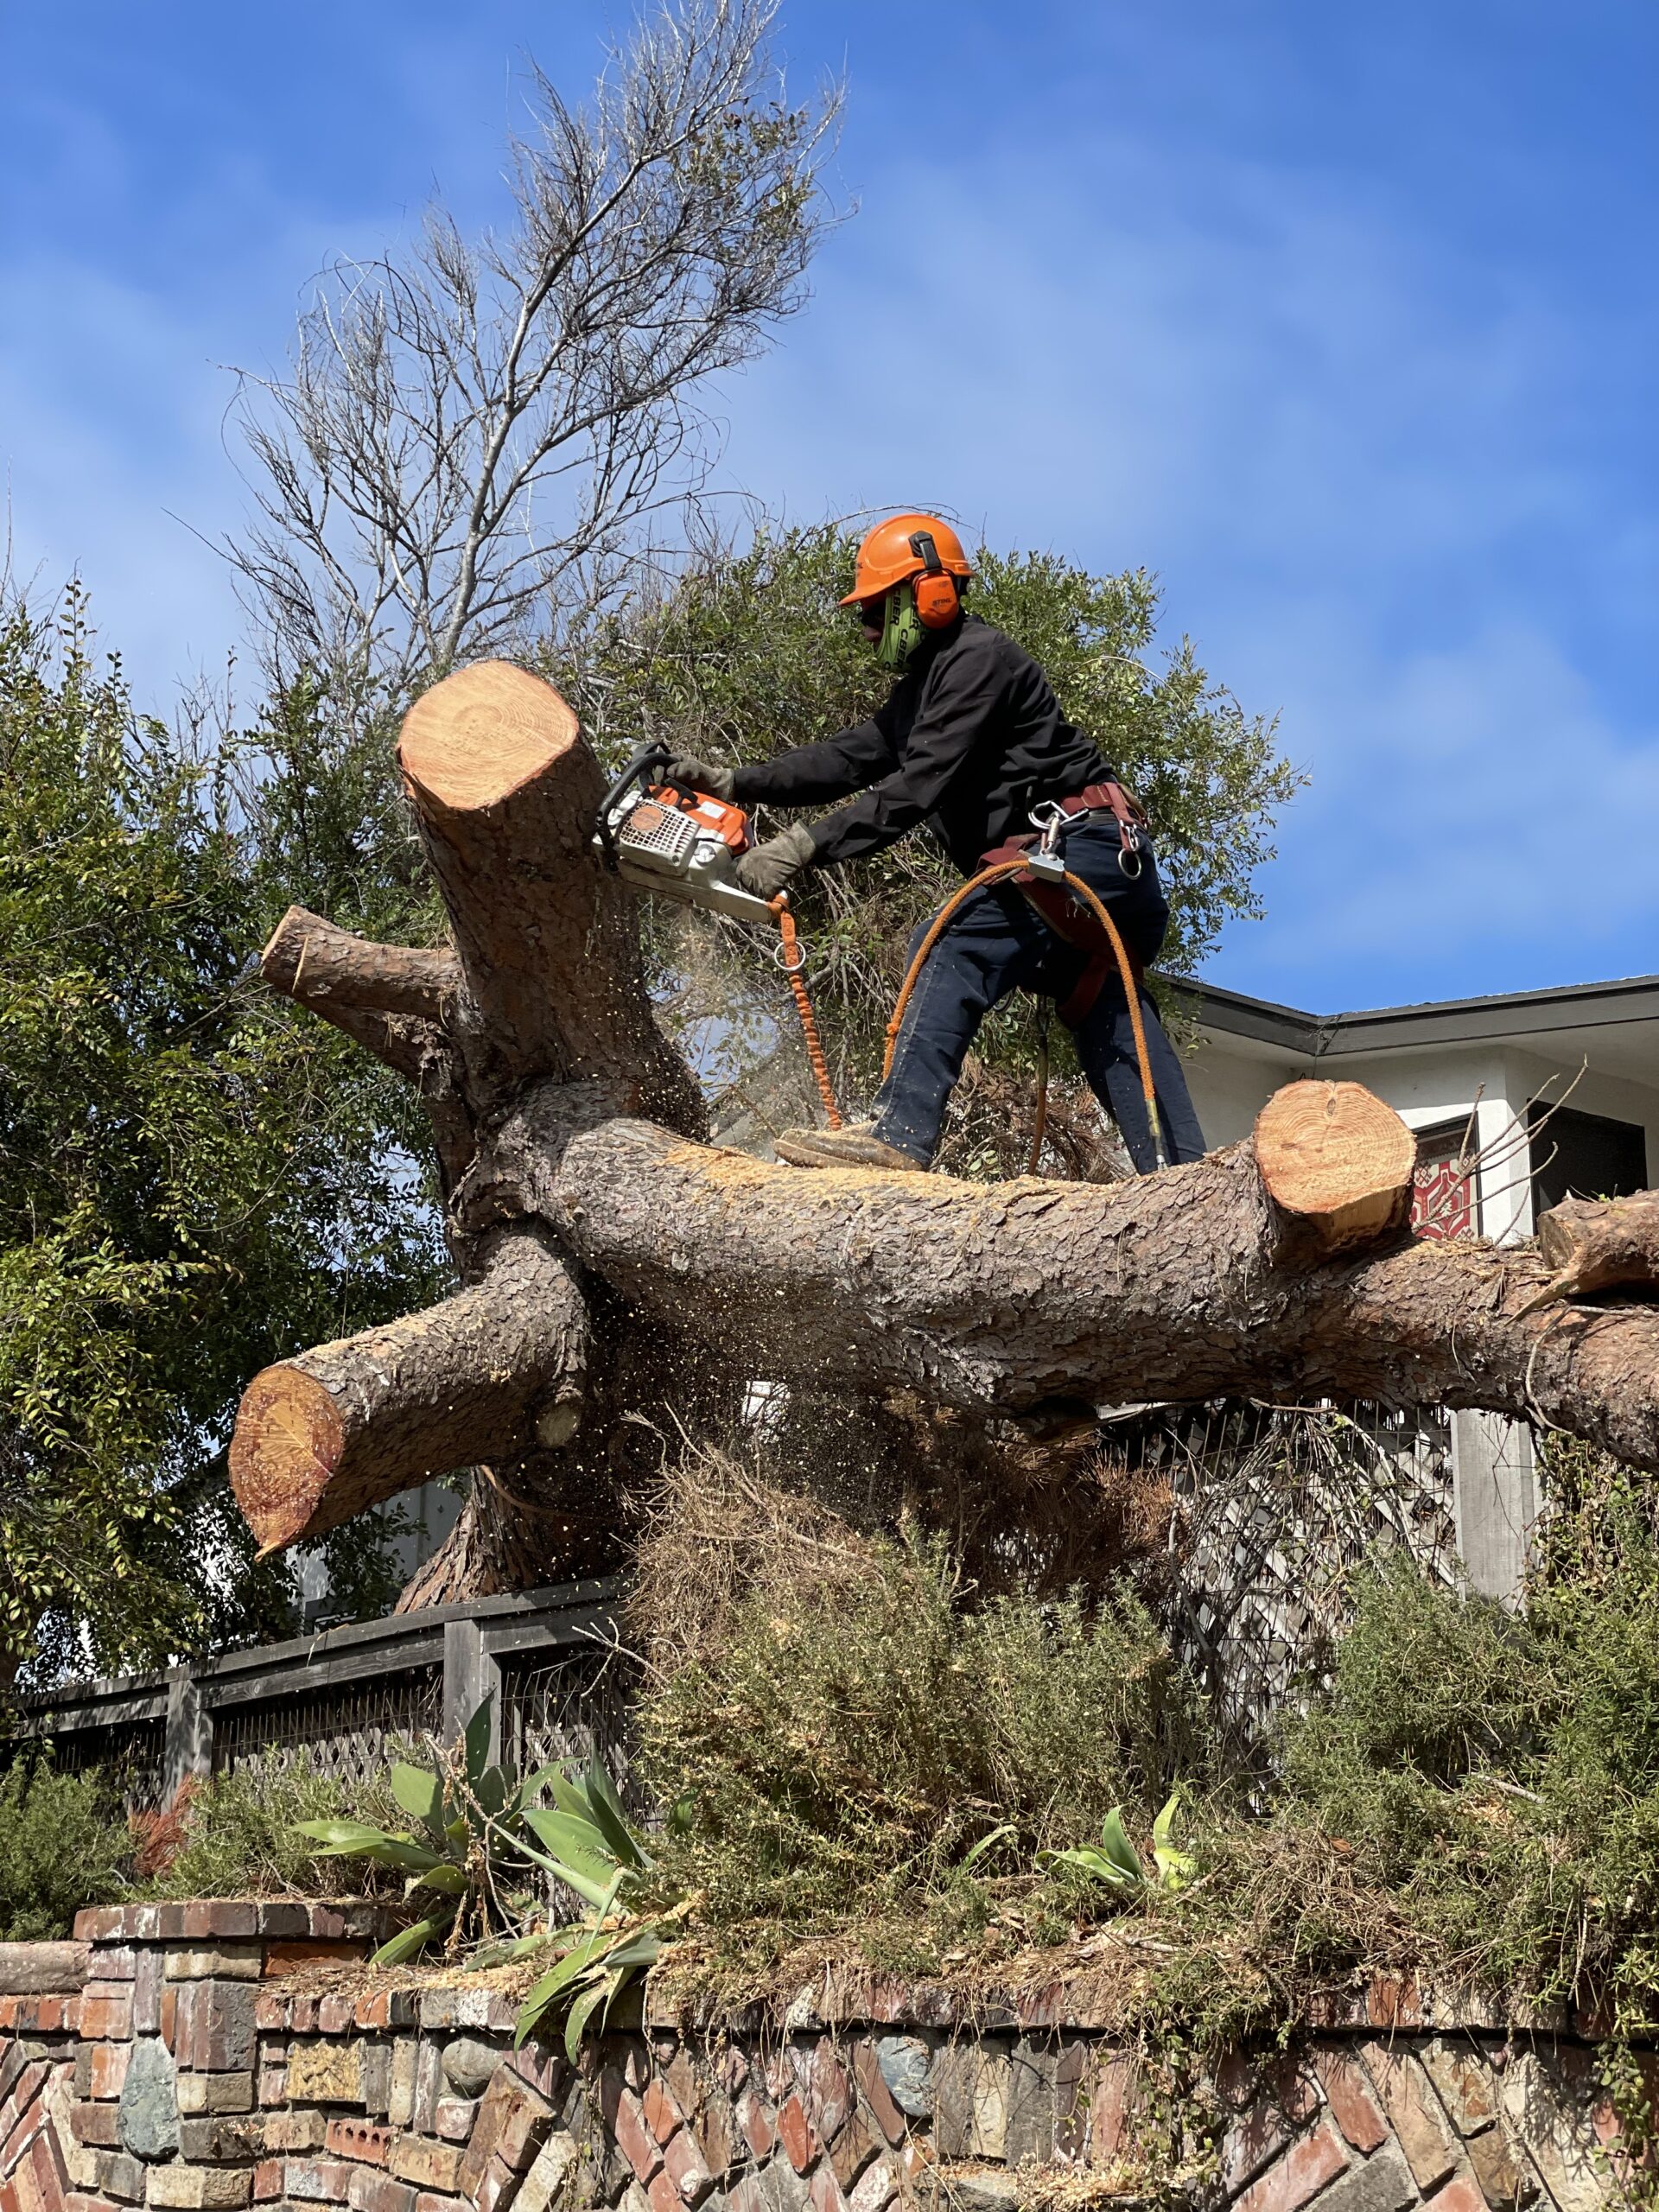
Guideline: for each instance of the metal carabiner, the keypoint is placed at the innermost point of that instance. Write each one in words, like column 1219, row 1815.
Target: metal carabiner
column 1051, row 817
column 1128, row 848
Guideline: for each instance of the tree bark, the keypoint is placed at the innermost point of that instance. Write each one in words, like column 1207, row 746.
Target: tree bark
column 615, row 1263
column 320, row 1439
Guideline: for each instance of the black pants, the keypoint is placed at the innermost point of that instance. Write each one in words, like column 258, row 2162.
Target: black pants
column 997, row 944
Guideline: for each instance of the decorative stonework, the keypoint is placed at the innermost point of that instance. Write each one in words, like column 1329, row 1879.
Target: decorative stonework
column 188, row 2072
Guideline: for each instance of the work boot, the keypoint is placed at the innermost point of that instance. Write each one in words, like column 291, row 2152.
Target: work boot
column 857, row 1146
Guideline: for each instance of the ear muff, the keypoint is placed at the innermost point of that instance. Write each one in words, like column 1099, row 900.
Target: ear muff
column 938, row 601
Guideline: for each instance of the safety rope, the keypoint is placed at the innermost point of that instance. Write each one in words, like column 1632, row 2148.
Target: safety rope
column 999, row 874
column 794, row 960
column 1040, row 1114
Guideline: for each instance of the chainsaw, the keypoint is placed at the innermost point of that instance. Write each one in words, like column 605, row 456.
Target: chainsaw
column 685, row 844
column 680, row 843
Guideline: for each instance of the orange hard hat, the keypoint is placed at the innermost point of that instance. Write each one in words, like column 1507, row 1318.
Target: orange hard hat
column 886, row 556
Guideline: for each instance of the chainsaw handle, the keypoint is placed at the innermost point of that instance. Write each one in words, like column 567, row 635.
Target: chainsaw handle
column 646, row 764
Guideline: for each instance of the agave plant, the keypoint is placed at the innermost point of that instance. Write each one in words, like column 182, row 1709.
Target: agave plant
column 592, row 1849
column 1115, row 1861
column 467, row 1854
column 477, row 1848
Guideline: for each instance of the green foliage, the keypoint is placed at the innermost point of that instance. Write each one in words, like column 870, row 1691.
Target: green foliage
column 1115, row 1861
column 592, row 1849
column 841, row 1756
column 64, row 1843
column 747, row 654
column 1501, row 1778
column 194, row 1179
column 468, row 1853
column 478, row 1841
column 882, row 1765
column 240, row 1835
column 1431, row 1686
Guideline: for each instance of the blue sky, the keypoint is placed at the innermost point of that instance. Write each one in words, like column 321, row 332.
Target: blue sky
column 1344, row 321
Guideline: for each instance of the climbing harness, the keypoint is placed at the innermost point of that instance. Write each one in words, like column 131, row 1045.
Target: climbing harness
column 1043, row 867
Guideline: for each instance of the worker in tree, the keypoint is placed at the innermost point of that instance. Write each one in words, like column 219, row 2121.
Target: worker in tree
column 970, row 743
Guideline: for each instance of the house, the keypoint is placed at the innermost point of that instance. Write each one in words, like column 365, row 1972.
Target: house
column 1516, row 1100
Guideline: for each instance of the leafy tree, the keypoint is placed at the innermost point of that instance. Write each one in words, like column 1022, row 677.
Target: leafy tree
column 193, row 1181
column 745, row 653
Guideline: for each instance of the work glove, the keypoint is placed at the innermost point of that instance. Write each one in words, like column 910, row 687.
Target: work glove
column 769, row 868
column 703, row 776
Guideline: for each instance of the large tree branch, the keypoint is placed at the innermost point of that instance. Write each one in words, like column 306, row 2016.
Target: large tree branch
column 507, row 796
column 350, row 982
column 1006, row 1298
column 1017, row 1299
column 321, row 1438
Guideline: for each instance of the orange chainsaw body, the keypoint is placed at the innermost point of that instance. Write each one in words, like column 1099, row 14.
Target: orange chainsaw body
column 730, row 823
column 682, row 845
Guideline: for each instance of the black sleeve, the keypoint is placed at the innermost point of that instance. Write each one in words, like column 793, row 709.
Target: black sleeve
column 812, row 773
column 966, row 690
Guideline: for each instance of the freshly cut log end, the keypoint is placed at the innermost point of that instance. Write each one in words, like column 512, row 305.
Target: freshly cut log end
column 321, row 1438
column 1332, row 1155
column 287, row 1449
column 482, row 735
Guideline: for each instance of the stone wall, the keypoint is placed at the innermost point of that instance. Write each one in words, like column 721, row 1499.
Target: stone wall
column 192, row 2067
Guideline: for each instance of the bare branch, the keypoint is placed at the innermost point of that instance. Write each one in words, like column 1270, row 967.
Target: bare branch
column 469, row 435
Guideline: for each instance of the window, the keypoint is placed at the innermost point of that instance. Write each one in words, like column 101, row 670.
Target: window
column 1443, row 1191
column 1584, row 1156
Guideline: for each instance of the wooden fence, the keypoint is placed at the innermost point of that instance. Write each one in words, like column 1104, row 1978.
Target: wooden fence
column 340, row 1697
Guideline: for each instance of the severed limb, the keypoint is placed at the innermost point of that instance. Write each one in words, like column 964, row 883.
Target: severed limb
column 321, row 1438
column 327, row 968
column 1594, row 1245
column 391, row 999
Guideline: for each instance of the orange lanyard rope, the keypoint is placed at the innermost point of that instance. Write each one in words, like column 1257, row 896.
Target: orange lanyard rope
column 998, row 874
column 794, row 960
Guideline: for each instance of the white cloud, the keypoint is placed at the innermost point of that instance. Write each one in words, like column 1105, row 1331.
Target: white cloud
column 1359, row 463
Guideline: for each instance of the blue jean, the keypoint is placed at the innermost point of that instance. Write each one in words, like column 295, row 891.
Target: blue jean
column 999, row 943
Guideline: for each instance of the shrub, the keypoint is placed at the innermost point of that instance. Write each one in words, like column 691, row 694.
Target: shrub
column 1500, row 1777
column 239, row 1836
column 850, row 1724
column 64, row 1843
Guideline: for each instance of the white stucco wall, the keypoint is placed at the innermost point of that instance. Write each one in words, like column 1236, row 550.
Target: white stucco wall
column 1232, row 1078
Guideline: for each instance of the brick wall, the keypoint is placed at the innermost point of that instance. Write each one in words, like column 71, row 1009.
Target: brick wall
column 189, row 2072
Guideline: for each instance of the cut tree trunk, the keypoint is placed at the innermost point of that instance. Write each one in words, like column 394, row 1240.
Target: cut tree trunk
column 1336, row 1157
column 616, row 1265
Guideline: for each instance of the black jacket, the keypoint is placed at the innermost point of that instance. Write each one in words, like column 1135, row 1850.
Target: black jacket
column 969, row 740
